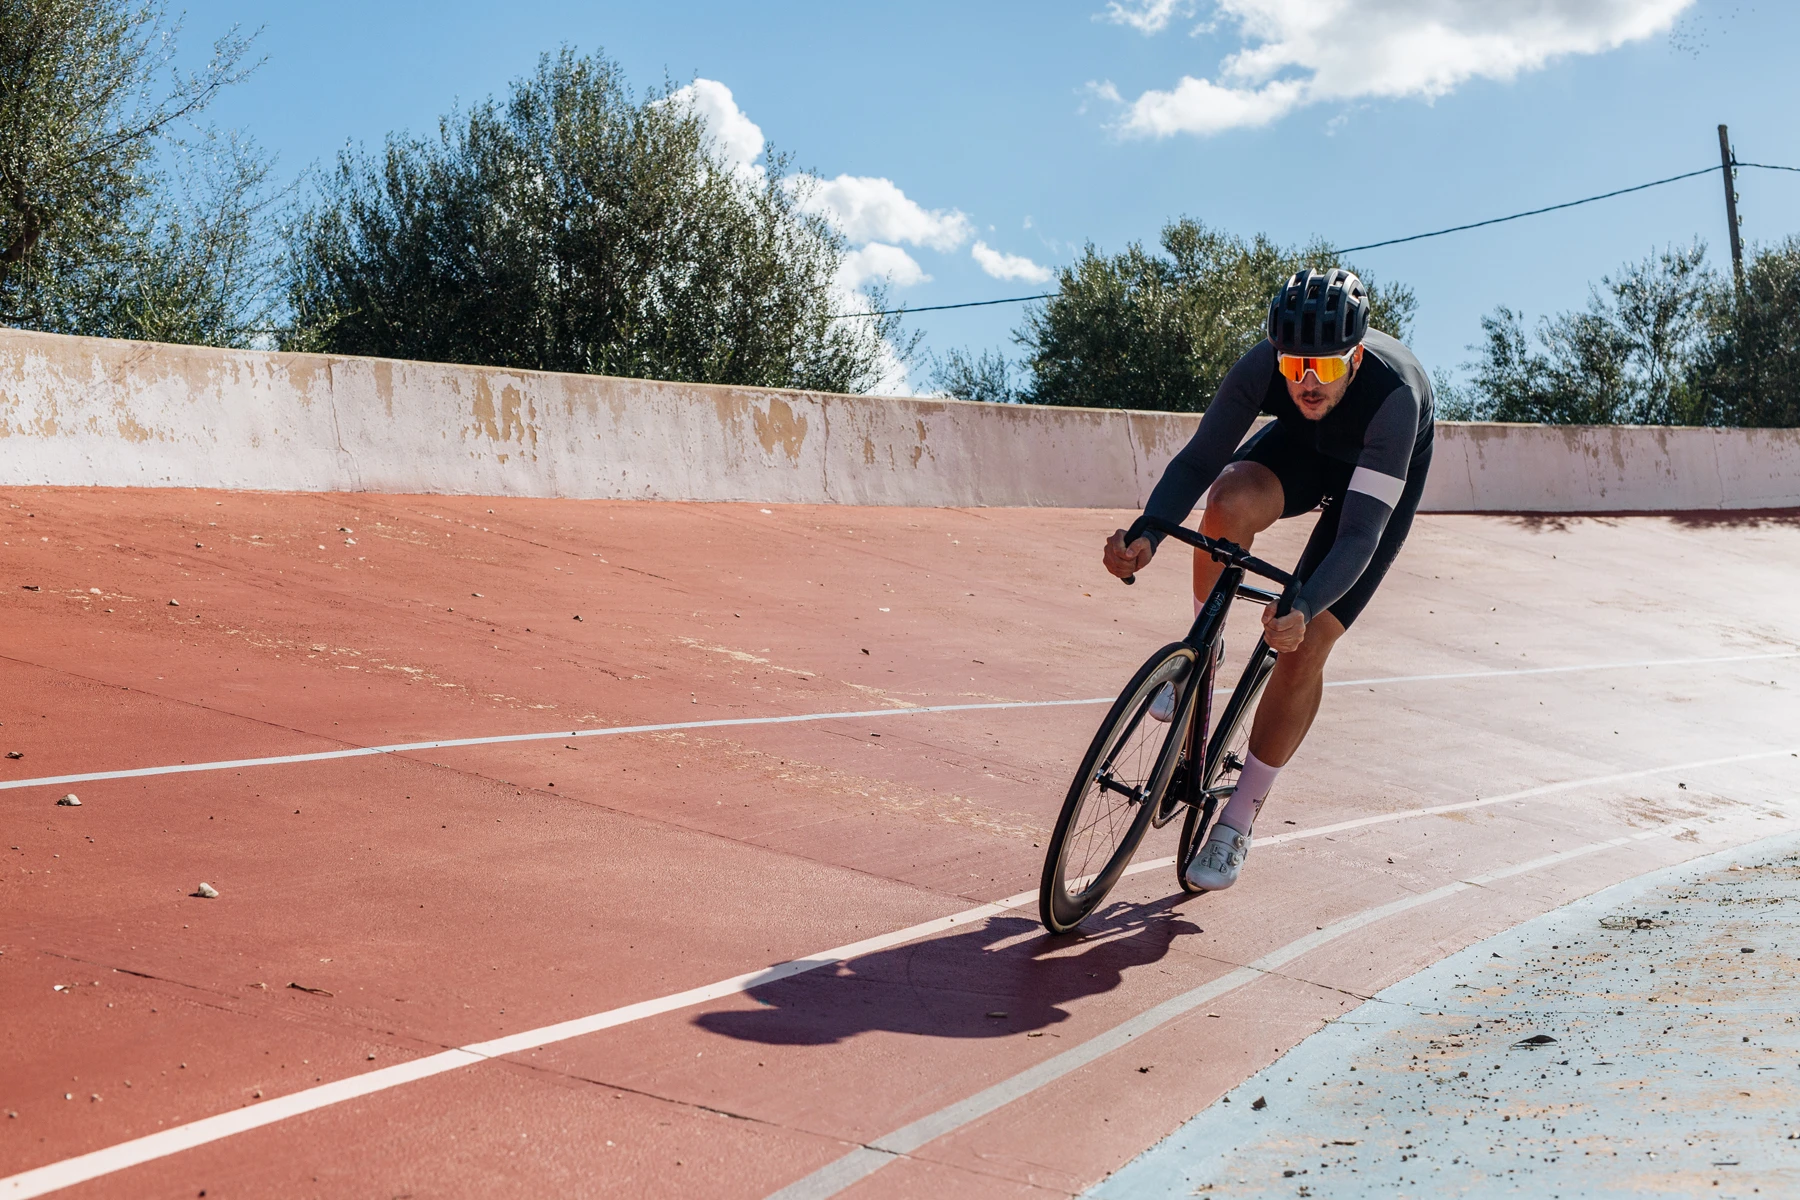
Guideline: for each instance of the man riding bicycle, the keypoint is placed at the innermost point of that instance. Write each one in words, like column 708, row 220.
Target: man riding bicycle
column 1352, row 434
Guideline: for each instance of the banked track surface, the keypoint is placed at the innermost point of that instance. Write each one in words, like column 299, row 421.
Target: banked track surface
column 950, row 816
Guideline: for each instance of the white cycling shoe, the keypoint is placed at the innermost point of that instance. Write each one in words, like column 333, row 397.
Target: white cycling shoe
column 1162, row 708
column 1219, row 860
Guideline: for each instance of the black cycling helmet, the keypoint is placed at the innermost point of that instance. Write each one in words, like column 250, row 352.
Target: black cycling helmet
column 1319, row 312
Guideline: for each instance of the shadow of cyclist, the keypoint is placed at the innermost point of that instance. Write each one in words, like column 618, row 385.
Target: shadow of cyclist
column 947, row 987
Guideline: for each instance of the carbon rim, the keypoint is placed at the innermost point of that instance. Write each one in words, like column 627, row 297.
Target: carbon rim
column 1110, row 803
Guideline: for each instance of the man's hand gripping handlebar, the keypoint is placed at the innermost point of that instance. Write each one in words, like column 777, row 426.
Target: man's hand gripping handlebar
column 1229, row 553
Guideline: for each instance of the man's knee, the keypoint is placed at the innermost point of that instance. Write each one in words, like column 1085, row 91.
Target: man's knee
column 1245, row 499
column 1322, row 634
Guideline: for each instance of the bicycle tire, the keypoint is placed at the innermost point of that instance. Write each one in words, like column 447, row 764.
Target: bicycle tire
column 1085, row 857
column 1196, row 705
column 1225, row 750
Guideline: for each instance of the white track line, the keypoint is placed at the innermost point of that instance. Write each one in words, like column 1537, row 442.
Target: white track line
column 1545, row 789
column 1618, row 666
column 505, row 738
column 71, row 1171
column 54, row 1176
column 866, row 1159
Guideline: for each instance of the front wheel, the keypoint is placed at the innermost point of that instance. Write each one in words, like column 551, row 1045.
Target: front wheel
column 1114, row 794
column 1225, row 754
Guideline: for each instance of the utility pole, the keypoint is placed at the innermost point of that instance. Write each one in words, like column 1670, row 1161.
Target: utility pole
column 1727, row 163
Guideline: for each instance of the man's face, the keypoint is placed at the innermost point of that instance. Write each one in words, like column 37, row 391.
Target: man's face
column 1315, row 399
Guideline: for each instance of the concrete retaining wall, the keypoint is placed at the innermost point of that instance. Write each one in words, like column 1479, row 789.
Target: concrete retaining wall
column 1610, row 468
column 93, row 412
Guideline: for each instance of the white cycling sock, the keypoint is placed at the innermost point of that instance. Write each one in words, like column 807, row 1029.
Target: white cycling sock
column 1197, row 603
column 1254, row 782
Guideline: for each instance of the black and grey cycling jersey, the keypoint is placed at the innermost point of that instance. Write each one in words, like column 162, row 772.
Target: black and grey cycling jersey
column 1371, row 453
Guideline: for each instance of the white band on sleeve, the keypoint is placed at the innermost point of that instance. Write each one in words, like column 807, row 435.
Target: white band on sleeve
column 1384, row 488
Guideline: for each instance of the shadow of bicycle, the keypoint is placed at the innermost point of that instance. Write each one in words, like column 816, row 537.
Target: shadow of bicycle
column 953, row 987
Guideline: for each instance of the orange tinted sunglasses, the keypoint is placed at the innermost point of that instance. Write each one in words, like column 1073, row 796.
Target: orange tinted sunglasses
column 1329, row 369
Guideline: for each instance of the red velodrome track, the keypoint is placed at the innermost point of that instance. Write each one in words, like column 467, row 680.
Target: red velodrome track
column 378, row 1002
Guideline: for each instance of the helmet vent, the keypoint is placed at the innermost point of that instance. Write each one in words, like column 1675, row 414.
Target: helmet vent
column 1319, row 312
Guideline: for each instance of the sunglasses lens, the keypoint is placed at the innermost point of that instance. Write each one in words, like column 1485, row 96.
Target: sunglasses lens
column 1328, row 370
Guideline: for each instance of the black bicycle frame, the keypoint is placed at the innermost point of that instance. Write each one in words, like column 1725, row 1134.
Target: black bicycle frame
column 1208, row 625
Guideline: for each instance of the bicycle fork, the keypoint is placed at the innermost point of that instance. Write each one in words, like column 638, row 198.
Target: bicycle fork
column 1207, row 635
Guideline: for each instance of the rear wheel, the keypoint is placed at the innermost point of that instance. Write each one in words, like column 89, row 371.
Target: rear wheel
column 1225, row 753
column 1115, row 793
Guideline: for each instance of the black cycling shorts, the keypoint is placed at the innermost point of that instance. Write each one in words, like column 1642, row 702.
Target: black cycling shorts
column 1310, row 480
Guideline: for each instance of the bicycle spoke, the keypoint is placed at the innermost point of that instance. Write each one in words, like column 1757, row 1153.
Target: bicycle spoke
column 1118, row 787
column 1110, row 804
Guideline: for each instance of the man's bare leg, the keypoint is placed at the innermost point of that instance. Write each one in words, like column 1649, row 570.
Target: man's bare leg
column 1291, row 700
column 1245, row 500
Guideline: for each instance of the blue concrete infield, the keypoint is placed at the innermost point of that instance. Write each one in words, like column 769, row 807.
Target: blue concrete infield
column 1642, row 1040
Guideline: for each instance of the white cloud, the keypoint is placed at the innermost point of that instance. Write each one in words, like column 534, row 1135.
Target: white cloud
column 1145, row 16
column 867, row 210
column 1339, row 50
column 878, row 260
column 1197, row 106
column 864, row 209
column 1008, row 266
column 738, row 139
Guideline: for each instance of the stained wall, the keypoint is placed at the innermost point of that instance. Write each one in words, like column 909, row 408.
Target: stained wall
column 98, row 412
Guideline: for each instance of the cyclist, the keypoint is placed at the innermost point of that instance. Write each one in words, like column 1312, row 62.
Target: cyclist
column 1352, row 434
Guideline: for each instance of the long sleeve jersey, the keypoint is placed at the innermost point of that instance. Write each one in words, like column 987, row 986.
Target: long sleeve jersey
column 1382, row 428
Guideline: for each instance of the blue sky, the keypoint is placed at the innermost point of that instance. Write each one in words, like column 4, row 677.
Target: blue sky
column 1051, row 124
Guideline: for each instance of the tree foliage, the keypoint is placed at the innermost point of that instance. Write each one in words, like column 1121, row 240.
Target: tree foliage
column 576, row 228
column 1664, row 341
column 986, row 377
column 110, row 223
column 1749, row 371
column 1149, row 330
column 1622, row 360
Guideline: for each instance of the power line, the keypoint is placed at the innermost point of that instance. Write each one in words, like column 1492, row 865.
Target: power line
column 888, row 312
column 1528, row 213
column 1534, row 212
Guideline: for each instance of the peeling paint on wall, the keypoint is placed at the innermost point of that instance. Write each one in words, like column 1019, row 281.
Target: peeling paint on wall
column 92, row 412
column 780, row 427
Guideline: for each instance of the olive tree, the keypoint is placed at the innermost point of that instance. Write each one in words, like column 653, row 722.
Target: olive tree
column 574, row 226
column 1749, row 373
column 1662, row 341
column 1142, row 329
column 118, row 215
column 1626, row 358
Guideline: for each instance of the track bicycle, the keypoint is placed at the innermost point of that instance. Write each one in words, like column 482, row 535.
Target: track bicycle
column 1140, row 772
